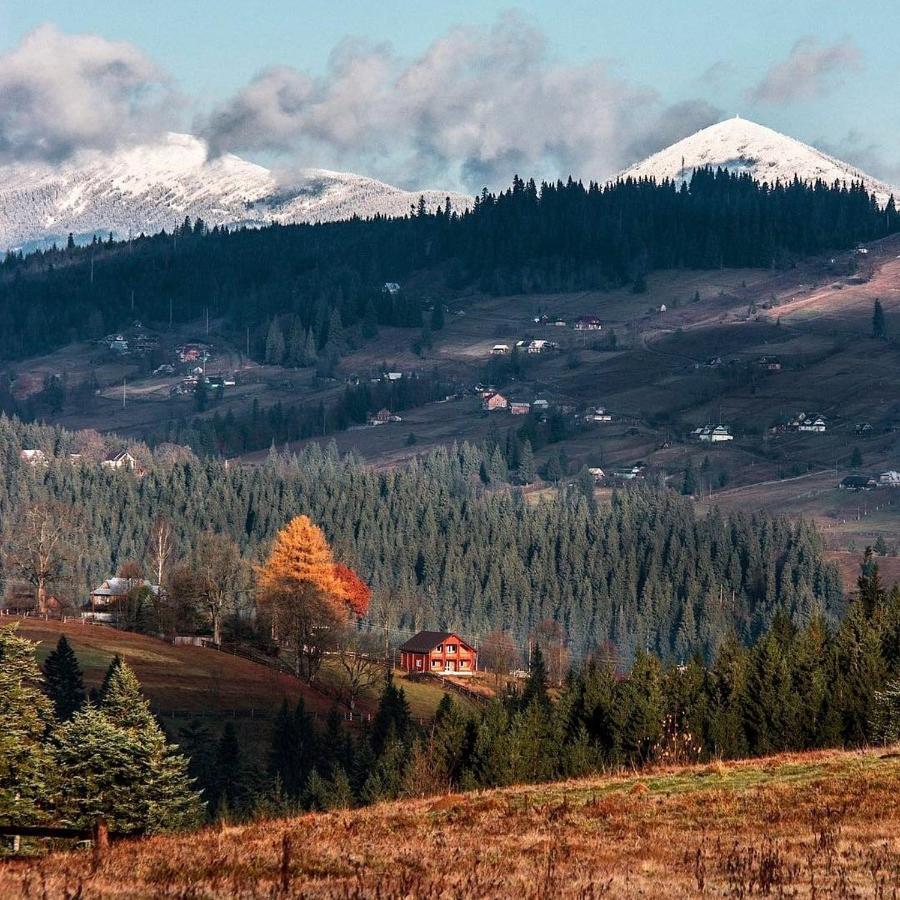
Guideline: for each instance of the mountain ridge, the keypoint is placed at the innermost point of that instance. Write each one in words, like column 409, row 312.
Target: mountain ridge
column 148, row 187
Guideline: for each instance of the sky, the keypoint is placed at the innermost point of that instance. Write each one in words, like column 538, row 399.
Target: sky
column 456, row 94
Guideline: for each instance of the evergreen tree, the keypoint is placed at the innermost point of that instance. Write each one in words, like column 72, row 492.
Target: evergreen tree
column 535, row 690
column 879, row 325
column 274, row 344
column 26, row 717
column 437, row 316
column 526, row 463
column 63, row 680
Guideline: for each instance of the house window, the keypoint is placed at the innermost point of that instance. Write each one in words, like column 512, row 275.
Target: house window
column 451, row 648
column 435, row 663
column 463, row 664
column 439, row 648
column 418, row 663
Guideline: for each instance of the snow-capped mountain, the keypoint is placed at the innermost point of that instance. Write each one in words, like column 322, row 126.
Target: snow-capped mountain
column 152, row 186
column 743, row 146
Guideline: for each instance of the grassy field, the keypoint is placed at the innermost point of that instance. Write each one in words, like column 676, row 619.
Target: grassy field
column 823, row 824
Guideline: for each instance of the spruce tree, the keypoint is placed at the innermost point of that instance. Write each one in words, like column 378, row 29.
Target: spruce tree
column 526, row 463
column 535, row 690
column 879, row 325
column 26, row 718
column 63, row 680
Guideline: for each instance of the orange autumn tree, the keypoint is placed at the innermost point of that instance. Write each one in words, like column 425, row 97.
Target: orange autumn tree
column 356, row 591
column 306, row 598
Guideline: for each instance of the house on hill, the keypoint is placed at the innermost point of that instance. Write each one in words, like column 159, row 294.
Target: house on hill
column 438, row 652
column 116, row 588
column 804, row 422
column 493, row 402
column 500, row 350
column 588, row 323
column 858, row 483
column 519, row 408
column 889, row 479
column 119, row 460
column 713, row 434
column 33, row 458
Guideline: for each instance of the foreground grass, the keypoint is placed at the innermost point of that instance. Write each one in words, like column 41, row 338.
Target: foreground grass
column 804, row 825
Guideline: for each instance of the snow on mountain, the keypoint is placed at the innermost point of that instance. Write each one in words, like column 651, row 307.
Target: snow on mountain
column 743, row 146
column 152, row 186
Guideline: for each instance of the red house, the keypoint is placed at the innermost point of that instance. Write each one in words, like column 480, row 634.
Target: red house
column 438, row 652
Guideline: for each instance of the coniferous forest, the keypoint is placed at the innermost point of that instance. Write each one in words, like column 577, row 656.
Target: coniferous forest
column 442, row 549
column 529, row 238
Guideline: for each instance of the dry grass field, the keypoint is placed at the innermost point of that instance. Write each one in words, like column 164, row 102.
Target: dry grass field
column 823, row 824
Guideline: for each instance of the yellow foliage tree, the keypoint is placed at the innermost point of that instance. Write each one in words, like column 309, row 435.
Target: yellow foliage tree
column 298, row 587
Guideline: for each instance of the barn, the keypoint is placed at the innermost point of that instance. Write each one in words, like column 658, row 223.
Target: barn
column 438, row 652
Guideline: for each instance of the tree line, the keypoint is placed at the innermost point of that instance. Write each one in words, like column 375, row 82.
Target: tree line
column 298, row 292
column 438, row 546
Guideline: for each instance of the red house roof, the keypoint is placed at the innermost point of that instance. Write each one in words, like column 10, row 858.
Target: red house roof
column 426, row 641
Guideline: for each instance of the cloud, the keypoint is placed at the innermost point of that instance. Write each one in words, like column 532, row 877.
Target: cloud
column 810, row 70
column 478, row 105
column 870, row 157
column 62, row 93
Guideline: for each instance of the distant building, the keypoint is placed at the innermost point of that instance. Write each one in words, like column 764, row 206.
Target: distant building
column 440, row 653
column 889, row 479
column 390, row 287
column 769, row 363
column 804, row 422
column 597, row 414
column 858, row 483
column 713, row 434
column 541, row 404
column 863, row 428
column 114, row 589
column 120, row 460
column 33, row 458
column 392, row 376
column 500, row 350
column 520, row 408
column 596, row 473
column 382, row 417
column 588, row 323
column 494, row 401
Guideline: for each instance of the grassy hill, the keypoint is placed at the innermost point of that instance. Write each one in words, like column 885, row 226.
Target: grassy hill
column 803, row 825
column 182, row 682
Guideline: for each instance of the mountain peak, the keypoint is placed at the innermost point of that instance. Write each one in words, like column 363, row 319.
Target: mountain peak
column 742, row 145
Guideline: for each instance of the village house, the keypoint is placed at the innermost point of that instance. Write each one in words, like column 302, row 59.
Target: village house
column 804, row 422
column 597, row 474
column 390, row 287
column 392, row 376
column 33, row 458
column 519, row 408
column 493, row 402
column 597, row 414
column 382, row 417
column 858, row 483
column 769, row 363
column 438, row 652
column 191, row 353
column 541, row 405
column 713, row 434
column 116, row 589
column 122, row 459
column 588, row 323
column 889, row 479
column 863, row 428
column 500, row 350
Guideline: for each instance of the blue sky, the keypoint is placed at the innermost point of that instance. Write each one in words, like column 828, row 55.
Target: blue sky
column 715, row 57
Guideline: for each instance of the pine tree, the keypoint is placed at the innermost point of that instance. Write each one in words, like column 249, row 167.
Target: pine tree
column 229, row 788
column 879, row 325
column 26, row 717
column 535, row 690
column 274, row 344
column 526, row 463
column 886, row 714
column 63, row 680
column 437, row 316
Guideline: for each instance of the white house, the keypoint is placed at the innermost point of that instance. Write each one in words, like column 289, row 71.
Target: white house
column 391, row 287
column 889, row 479
column 804, row 422
column 597, row 414
column 713, row 434
column 588, row 323
column 121, row 460
column 500, row 350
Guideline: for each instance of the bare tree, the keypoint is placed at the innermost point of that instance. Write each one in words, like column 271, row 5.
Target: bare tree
column 222, row 575
column 360, row 662
column 160, row 547
column 550, row 636
column 38, row 548
column 497, row 653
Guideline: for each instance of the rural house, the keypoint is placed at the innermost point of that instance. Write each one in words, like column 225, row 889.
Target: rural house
column 519, row 408
column 493, row 402
column 889, row 479
column 438, row 652
column 120, row 460
column 500, row 350
column 597, row 414
column 588, row 323
column 713, row 434
column 116, row 588
column 858, row 483
column 804, row 422
column 33, row 458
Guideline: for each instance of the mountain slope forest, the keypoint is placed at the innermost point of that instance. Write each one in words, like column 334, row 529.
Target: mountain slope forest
column 442, row 549
column 314, row 278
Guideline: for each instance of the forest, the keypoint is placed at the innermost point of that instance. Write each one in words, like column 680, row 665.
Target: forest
column 311, row 281
column 439, row 544
column 796, row 688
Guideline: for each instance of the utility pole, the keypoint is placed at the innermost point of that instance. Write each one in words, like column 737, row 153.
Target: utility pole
column 123, row 393
column 248, row 343
column 132, row 299
column 170, row 313
column 207, row 321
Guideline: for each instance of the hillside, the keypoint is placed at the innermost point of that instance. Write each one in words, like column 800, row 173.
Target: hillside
column 745, row 147
column 151, row 186
column 801, row 825
column 182, row 682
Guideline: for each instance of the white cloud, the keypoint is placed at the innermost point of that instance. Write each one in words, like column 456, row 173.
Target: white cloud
column 809, row 71
column 478, row 105
column 61, row 93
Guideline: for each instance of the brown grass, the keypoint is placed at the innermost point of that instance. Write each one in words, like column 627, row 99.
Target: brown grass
column 804, row 825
